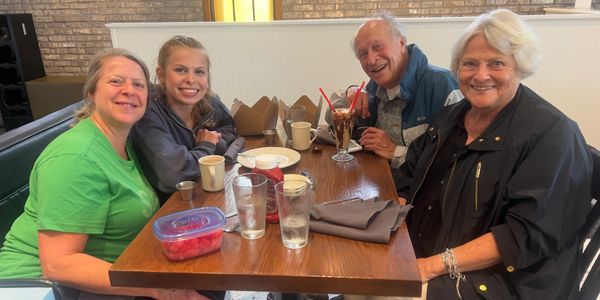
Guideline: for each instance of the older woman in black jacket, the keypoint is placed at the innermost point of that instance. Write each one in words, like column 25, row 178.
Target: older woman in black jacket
column 500, row 182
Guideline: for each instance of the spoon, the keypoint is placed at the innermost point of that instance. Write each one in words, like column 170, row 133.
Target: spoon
column 233, row 224
column 307, row 174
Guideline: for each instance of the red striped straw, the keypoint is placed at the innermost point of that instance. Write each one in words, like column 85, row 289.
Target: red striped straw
column 327, row 98
column 356, row 96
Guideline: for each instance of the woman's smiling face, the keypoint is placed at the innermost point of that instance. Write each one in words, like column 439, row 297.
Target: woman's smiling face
column 185, row 76
column 121, row 93
column 487, row 78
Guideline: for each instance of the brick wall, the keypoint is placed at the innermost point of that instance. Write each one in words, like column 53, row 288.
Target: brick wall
column 313, row 9
column 71, row 31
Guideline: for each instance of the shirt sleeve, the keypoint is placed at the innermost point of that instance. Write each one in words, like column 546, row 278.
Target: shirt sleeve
column 72, row 195
column 399, row 157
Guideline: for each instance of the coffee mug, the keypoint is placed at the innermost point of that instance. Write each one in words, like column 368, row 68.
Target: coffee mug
column 212, row 172
column 301, row 135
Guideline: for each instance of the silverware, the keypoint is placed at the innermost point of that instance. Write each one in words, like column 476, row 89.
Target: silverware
column 307, row 174
column 248, row 156
column 233, row 224
column 339, row 201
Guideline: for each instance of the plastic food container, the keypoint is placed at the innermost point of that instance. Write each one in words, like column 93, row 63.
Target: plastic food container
column 190, row 233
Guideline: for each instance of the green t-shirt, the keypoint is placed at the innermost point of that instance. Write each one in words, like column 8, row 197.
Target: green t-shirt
column 79, row 184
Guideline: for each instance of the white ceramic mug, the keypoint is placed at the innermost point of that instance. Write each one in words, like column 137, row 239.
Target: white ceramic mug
column 301, row 135
column 212, row 172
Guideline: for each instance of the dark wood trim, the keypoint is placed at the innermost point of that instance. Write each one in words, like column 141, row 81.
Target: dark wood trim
column 209, row 15
column 207, row 5
column 277, row 14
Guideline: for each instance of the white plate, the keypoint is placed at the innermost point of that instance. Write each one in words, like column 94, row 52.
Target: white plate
column 285, row 156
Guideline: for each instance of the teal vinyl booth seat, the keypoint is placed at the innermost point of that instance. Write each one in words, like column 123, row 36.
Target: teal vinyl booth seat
column 19, row 148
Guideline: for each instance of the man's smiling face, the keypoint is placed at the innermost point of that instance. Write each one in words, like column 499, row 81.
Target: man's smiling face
column 380, row 52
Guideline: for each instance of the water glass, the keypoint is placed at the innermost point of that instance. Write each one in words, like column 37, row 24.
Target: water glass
column 293, row 200
column 250, row 192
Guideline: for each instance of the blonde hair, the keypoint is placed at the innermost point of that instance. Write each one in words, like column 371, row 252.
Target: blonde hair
column 203, row 106
column 95, row 71
column 507, row 33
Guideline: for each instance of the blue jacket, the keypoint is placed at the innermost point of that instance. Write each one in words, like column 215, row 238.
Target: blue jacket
column 425, row 90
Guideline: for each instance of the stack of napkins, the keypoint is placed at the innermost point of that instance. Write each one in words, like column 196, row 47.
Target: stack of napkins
column 236, row 147
column 370, row 220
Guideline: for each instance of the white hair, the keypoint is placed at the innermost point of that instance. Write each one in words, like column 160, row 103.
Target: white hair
column 507, row 33
column 396, row 28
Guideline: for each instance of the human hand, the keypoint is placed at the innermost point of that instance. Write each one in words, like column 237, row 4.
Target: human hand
column 204, row 135
column 376, row 140
column 361, row 107
column 175, row 294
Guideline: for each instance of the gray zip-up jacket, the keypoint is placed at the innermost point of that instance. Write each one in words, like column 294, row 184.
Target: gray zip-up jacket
column 168, row 149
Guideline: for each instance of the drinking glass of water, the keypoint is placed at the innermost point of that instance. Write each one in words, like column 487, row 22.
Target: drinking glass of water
column 293, row 200
column 250, row 192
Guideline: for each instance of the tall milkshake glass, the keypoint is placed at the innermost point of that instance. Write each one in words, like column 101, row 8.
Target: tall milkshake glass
column 343, row 122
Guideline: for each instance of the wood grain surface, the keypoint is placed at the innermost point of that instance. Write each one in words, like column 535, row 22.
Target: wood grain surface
column 328, row 264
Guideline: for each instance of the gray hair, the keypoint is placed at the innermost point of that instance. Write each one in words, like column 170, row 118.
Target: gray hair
column 94, row 73
column 507, row 33
column 396, row 28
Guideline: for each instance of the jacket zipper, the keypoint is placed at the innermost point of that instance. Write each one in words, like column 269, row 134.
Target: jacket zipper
column 437, row 148
column 448, row 183
column 477, row 173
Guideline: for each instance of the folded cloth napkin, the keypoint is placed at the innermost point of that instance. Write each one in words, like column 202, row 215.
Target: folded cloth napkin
column 369, row 220
column 324, row 136
column 236, row 147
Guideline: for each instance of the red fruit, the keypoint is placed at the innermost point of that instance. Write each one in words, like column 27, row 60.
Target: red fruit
column 272, row 218
column 216, row 242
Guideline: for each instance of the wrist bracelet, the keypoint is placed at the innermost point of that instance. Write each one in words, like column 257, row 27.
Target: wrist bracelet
column 450, row 262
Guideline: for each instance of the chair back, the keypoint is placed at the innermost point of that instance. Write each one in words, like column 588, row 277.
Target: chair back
column 590, row 246
column 19, row 149
column 31, row 288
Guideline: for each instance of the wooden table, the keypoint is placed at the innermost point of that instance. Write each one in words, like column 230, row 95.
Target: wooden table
column 328, row 264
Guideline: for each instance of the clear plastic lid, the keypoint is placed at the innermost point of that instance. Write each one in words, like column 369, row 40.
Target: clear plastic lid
column 265, row 161
column 189, row 223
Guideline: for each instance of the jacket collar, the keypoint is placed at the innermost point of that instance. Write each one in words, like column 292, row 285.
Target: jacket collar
column 493, row 138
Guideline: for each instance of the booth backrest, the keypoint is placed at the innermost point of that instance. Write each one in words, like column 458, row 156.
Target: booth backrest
column 19, row 148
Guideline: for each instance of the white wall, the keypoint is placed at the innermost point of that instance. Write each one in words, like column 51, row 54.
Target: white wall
column 288, row 59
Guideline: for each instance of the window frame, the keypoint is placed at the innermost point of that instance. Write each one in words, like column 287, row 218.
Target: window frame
column 209, row 12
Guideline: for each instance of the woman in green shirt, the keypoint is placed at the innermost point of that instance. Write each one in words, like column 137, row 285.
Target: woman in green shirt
column 88, row 198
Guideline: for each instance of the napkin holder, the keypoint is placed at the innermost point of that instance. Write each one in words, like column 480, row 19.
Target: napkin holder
column 253, row 120
column 311, row 114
